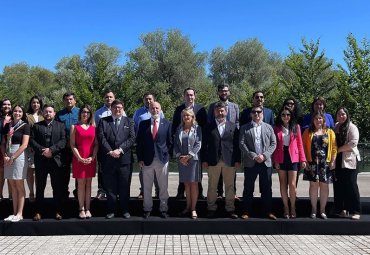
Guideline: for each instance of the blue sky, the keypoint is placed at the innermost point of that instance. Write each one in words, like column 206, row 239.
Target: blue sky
column 41, row 32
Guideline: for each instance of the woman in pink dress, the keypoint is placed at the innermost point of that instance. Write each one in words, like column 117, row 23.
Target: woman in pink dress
column 84, row 146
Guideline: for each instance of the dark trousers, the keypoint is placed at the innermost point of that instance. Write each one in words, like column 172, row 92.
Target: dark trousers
column 265, row 182
column 49, row 166
column 67, row 161
column 346, row 194
column 101, row 188
column 117, row 182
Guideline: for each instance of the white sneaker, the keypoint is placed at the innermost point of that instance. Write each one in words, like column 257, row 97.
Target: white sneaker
column 9, row 218
column 16, row 218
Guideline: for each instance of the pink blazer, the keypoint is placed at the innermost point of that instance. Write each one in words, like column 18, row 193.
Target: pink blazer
column 296, row 151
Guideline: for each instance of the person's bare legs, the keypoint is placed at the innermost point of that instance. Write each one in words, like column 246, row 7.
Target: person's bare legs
column 88, row 197
column 30, row 183
column 314, row 186
column 19, row 197
column 292, row 177
column 81, row 187
column 324, row 194
column 284, row 190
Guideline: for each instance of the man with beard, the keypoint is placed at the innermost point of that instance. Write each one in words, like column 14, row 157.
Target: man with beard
column 154, row 139
column 48, row 139
column 232, row 109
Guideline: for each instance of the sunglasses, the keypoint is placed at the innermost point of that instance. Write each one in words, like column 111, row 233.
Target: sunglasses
column 258, row 112
column 256, row 97
column 285, row 115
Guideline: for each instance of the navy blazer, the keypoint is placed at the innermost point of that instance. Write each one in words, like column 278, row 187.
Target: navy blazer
column 57, row 143
column 268, row 116
column 229, row 144
column 146, row 146
column 110, row 138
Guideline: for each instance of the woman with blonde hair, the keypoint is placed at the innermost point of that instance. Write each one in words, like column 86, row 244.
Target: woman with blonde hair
column 187, row 145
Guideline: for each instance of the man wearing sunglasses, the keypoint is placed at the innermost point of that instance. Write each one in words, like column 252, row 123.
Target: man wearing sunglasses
column 258, row 100
column 257, row 142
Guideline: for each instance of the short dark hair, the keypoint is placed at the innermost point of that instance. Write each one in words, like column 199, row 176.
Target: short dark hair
column 68, row 94
column 223, row 85
column 116, row 102
column 189, row 88
column 48, row 105
column 106, row 91
column 220, row 104
column 149, row 94
column 256, row 92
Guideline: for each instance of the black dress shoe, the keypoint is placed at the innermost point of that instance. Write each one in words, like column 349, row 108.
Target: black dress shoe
column 126, row 215
column 201, row 197
column 180, row 196
column 211, row 214
column 109, row 216
column 164, row 215
column 146, row 215
column 233, row 215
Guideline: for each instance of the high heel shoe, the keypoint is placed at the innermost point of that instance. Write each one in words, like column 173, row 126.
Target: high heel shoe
column 88, row 214
column 293, row 214
column 286, row 213
column 82, row 214
column 194, row 215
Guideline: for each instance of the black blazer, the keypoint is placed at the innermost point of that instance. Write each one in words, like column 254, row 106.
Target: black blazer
column 57, row 143
column 146, row 146
column 229, row 144
column 200, row 116
column 110, row 138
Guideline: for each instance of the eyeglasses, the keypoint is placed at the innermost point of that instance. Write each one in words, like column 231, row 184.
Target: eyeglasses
column 85, row 112
column 257, row 97
column 258, row 112
column 285, row 115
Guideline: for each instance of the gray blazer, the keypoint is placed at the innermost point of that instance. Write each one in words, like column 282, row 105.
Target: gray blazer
column 246, row 143
column 232, row 115
column 194, row 141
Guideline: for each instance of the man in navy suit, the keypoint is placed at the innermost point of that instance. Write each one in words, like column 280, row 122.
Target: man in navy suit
column 116, row 135
column 201, row 118
column 221, row 155
column 153, row 141
column 258, row 100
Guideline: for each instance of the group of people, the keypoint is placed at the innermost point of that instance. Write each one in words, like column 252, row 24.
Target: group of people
column 42, row 141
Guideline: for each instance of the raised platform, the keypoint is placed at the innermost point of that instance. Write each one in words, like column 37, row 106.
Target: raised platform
column 70, row 225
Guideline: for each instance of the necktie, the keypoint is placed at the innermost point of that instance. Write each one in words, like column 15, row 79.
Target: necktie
column 117, row 123
column 155, row 129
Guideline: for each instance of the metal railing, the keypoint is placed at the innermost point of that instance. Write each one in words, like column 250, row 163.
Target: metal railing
column 364, row 164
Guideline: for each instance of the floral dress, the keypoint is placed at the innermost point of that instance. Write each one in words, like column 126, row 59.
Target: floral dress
column 318, row 169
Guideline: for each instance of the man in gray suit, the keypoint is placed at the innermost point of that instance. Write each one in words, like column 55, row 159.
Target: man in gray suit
column 257, row 142
column 223, row 91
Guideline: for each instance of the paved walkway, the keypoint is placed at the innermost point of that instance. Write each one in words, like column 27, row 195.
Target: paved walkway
column 193, row 244
column 185, row 244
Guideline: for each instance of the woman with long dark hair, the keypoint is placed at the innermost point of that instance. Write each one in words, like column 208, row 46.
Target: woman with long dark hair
column 5, row 117
column 84, row 146
column 34, row 115
column 346, row 193
column 288, row 157
column 13, row 146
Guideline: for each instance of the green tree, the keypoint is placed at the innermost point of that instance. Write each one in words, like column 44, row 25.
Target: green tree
column 19, row 82
column 355, row 84
column 166, row 63
column 309, row 74
column 247, row 66
column 89, row 76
